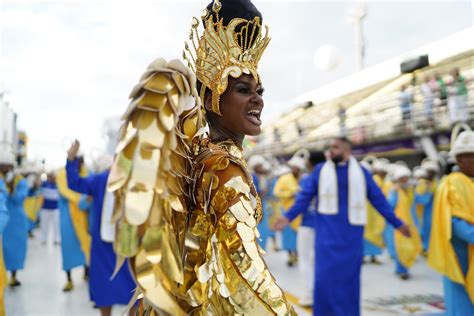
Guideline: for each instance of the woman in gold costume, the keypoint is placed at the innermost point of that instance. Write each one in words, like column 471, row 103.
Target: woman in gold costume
column 185, row 204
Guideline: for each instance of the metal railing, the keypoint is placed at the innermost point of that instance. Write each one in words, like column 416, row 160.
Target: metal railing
column 381, row 122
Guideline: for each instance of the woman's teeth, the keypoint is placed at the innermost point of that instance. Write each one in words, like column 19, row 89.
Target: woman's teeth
column 254, row 117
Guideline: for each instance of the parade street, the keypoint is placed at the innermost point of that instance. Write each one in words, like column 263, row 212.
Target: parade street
column 382, row 292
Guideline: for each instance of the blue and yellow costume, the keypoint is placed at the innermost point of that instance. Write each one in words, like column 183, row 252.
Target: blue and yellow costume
column 405, row 249
column 3, row 222
column 424, row 195
column 15, row 235
column 285, row 190
column 104, row 290
column 75, row 238
column 451, row 250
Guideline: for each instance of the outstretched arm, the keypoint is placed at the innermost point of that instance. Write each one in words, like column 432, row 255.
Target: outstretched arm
column 309, row 190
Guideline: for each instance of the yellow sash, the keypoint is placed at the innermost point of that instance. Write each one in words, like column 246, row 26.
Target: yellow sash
column 454, row 197
column 285, row 190
column 407, row 248
column 32, row 205
column 16, row 180
column 375, row 222
column 78, row 217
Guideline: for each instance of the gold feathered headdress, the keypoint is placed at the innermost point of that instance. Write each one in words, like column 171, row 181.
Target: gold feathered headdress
column 224, row 50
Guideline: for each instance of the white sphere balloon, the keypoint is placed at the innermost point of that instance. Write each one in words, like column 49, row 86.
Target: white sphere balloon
column 327, row 58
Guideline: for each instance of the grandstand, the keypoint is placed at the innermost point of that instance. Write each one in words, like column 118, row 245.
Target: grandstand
column 373, row 117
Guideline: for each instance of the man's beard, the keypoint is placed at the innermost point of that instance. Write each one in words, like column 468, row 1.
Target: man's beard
column 337, row 159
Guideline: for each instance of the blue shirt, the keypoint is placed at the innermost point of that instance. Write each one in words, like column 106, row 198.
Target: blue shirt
column 50, row 194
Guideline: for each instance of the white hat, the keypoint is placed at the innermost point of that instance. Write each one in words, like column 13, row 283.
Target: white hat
column 256, row 160
column 419, row 172
column 400, row 171
column 299, row 159
column 381, row 164
column 267, row 166
column 297, row 162
column 104, row 162
column 464, row 144
column 430, row 165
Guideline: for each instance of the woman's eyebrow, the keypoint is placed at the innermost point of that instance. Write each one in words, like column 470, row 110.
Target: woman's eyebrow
column 242, row 83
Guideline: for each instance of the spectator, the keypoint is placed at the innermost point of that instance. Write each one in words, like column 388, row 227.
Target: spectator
column 342, row 121
column 405, row 97
column 428, row 100
column 457, row 98
column 440, row 87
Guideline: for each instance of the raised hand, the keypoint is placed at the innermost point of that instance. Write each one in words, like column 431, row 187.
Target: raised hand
column 73, row 150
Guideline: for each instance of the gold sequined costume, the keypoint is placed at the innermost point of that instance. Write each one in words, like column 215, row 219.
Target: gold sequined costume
column 186, row 209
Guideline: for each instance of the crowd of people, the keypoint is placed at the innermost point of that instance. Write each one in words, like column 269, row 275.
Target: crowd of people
column 356, row 209
column 436, row 91
column 66, row 206
column 330, row 217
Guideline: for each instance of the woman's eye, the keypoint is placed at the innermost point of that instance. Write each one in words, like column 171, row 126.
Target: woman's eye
column 260, row 92
column 244, row 90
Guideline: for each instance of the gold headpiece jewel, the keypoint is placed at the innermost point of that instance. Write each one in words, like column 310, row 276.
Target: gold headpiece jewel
column 222, row 51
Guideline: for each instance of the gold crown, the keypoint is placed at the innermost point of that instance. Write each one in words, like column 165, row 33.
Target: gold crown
column 221, row 51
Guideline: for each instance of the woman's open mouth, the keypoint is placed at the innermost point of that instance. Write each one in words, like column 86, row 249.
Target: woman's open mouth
column 254, row 116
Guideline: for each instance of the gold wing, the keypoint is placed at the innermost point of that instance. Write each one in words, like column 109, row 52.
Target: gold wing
column 150, row 180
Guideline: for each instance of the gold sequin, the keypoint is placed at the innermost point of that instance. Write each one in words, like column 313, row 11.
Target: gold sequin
column 238, row 184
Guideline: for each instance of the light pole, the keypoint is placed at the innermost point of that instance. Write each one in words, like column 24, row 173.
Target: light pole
column 356, row 16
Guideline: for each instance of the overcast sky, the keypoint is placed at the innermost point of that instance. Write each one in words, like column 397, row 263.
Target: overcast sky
column 68, row 65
